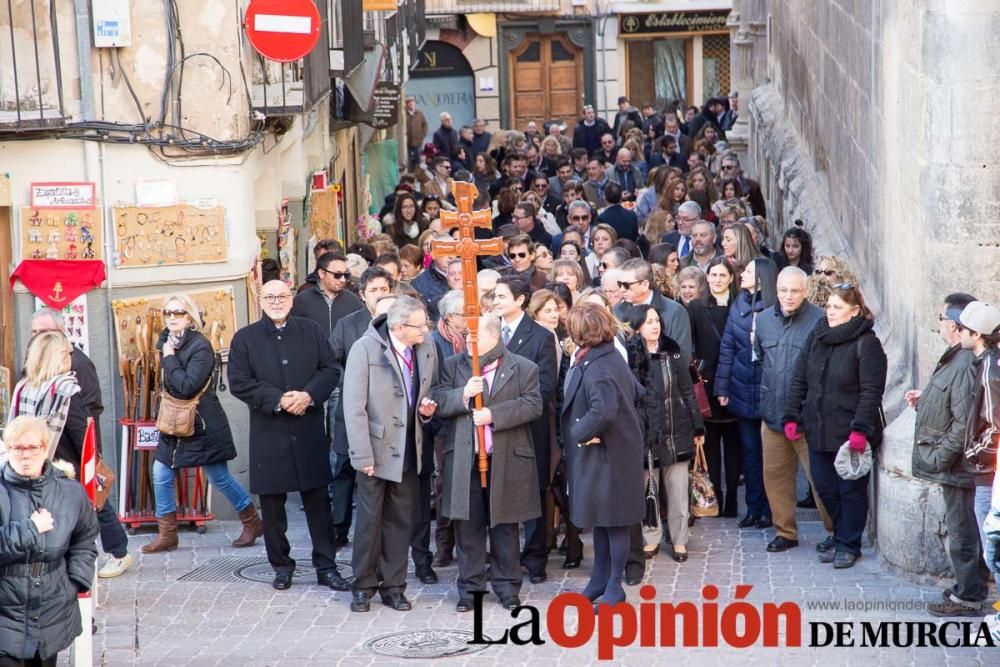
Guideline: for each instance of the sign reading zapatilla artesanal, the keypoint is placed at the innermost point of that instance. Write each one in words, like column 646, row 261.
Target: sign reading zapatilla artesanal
column 711, row 21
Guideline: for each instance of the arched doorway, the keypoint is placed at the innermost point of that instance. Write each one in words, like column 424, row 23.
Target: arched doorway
column 546, row 80
column 443, row 81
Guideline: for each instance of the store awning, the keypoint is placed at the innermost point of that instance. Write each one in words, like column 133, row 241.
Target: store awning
column 361, row 81
column 485, row 25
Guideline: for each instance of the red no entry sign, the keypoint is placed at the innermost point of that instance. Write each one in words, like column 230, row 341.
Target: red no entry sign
column 282, row 30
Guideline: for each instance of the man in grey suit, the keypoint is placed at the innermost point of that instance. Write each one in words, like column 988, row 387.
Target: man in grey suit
column 637, row 288
column 392, row 369
column 512, row 399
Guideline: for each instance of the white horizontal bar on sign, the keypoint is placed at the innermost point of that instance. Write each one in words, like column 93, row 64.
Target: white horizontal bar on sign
column 300, row 25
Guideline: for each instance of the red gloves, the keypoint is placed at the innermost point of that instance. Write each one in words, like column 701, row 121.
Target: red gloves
column 792, row 431
column 857, row 441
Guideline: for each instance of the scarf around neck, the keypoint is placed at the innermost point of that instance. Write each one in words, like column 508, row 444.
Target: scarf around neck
column 491, row 356
column 48, row 401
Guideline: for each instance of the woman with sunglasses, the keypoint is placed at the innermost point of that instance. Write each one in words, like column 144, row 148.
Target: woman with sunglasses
column 835, row 398
column 188, row 362
column 829, row 270
column 47, row 544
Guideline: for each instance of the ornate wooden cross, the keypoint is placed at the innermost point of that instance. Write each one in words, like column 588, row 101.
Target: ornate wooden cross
column 467, row 248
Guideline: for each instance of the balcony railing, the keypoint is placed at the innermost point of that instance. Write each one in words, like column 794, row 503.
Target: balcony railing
column 31, row 85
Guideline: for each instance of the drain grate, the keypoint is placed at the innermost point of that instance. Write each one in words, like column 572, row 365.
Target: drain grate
column 425, row 644
column 256, row 569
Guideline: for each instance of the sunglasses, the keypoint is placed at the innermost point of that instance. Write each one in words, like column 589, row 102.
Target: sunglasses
column 338, row 275
column 624, row 284
column 174, row 313
column 579, row 217
column 728, row 167
column 517, row 255
column 842, row 286
column 827, row 272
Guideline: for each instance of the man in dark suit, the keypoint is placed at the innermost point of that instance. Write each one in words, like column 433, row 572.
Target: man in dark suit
column 521, row 251
column 386, row 404
column 626, row 112
column 589, row 130
column 330, row 300
column 687, row 215
column 672, row 128
column 526, row 338
column 731, row 169
column 526, row 219
column 511, row 400
column 710, row 113
column 624, row 221
column 637, row 285
column 375, row 283
column 282, row 368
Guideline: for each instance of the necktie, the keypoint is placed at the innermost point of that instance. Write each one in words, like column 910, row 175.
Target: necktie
column 506, row 335
column 685, row 246
column 407, row 369
column 488, row 429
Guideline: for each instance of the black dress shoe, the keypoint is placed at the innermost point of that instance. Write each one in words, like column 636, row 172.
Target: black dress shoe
column 464, row 605
column 334, row 581
column 780, row 544
column 844, row 559
column 679, row 556
column 397, row 601
column 829, row 544
column 427, row 576
column 537, row 577
column 510, row 602
column 282, row 580
column 341, row 541
column 572, row 564
column 807, row 503
column 764, row 522
column 691, row 519
column 360, row 601
column 747, row 521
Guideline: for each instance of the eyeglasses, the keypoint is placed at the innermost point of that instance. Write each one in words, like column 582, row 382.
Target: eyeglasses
column 728, row 167
column 338, row 275
column 603, row 265
column 174, row 313
column 275, row 298
column 842, row 286
column 624, row 284
column 517, row 255
column 945, row 318
column 419, row 327
column 825, row 272
column 26, row 451
column 579, row 217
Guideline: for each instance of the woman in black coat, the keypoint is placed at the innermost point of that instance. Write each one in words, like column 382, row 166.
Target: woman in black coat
column 48, row 530
column 188, row 363
column 722, row 431
column 671, row 421
column 604, row 448
column 836, row 395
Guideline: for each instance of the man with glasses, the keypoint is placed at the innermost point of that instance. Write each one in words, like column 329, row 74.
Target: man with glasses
column 440, row 182
column 527, row 223
column 687, row 215
column 321, row 248
column 541, row 187
column 386, row 405
column 330, row 300
column 782, row 332
column 731, row 169
column 282, row 367
column 636, row 282
column 521, row 252
column 375, row 284
column 625, row 174
column 608, row 146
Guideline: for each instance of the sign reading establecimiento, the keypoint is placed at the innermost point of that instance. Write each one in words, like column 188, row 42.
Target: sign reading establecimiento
column 708, row 21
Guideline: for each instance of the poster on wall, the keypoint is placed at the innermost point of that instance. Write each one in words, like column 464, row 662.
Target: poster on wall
column 63, row 195
column 65, row 233
column 169, row 236
column 76, row 324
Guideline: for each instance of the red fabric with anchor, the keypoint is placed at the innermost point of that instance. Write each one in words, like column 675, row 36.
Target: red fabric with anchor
column 58, row 281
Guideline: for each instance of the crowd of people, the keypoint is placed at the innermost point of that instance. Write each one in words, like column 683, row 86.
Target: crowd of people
column 636, row 324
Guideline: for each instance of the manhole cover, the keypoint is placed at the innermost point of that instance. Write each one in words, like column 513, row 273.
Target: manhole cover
column 425, row 644
column 229, row 569
column 262, row 572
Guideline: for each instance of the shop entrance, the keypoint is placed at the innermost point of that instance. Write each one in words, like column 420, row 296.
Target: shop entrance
column 546, row 80
column 670, row 69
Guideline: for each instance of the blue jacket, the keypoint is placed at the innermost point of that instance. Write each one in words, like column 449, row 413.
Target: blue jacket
column 738, row 375
column 780, row 340
column 431, row 284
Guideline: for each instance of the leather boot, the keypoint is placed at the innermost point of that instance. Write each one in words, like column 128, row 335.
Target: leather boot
column 167, row 539
column 252, row 527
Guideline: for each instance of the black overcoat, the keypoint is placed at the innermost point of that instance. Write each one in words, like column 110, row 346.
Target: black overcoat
column 346, row 333
column 287, row 453
column 605, row 480
column 185, row 373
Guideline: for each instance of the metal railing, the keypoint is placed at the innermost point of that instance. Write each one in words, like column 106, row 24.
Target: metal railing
column 281, row 89
column 435, row 7
column 31, row 86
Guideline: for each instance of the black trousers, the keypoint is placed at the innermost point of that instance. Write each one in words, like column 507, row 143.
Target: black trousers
column 635, row 566
column 317, row 506
column 560, row 495
column 342, row 494
column 470, row 545
column 965, row 550
column 386, row 516
column 444, row 532
column 722, row 447
column 537, row 532
column 846, row 501
column 6, row 661
column 420, row 543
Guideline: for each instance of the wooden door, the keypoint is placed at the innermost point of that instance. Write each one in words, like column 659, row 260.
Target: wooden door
column 546, row 81
column 6, row 296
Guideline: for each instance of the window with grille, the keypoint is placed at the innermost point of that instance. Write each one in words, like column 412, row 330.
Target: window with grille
column 715, row 65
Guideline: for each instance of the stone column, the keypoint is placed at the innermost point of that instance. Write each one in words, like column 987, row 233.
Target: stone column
column 739, row 68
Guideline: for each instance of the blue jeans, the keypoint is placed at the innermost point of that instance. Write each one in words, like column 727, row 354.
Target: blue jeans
column 753, row 468
column 983, row 500
column 218, row 474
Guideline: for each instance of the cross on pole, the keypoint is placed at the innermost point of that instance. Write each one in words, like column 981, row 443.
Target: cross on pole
column 467, row 248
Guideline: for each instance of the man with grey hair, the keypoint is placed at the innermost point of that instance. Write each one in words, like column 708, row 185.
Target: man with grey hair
column 487, row 280
column 688, row 213
column 386, row 406
column 703, row 249
column 579, row 214
column 445, row 137
column 609, row 285
column 114, row 540
column 512, row 399
column 637, row 289
column 480, row 138
column 782, row 332
column 626, row 174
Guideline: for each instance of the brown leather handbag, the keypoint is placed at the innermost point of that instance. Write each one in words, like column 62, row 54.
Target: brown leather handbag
column 176, row 416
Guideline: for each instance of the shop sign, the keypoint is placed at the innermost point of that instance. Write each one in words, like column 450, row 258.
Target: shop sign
column 708, row 21
column 62, row 195
column 385, row 105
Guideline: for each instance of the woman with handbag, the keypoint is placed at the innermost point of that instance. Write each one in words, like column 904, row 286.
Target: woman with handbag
column 723, row 450
column 672, row 423
column 193, row 428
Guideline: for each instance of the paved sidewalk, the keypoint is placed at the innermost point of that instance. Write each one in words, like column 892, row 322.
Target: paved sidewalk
column 149, row 617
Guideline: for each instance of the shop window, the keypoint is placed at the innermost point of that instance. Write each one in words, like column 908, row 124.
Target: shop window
column 715, row 66
column 532, row 54
column 666, row 81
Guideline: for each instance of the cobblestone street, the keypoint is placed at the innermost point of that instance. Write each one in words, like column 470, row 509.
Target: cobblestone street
column 151, row 617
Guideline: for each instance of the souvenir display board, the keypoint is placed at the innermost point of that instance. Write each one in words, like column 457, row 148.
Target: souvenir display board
column 61, row 233
column 76, row 322
column 218, row 314
column 323, row 213
column 169, row 236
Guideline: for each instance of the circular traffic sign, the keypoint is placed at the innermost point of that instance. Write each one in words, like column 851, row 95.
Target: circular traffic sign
column 282, row 30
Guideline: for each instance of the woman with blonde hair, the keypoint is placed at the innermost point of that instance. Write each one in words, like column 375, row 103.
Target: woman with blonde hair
column 569, row 273
column 188, row 363
column 689, row 284
column 550, row 148
column 674, row 194
column 829, row 270
column 738, row 246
